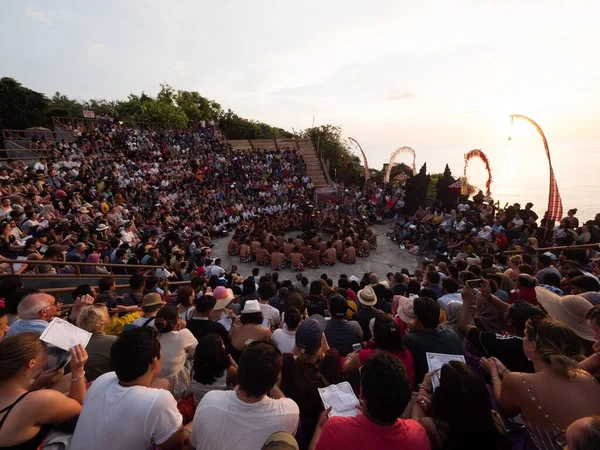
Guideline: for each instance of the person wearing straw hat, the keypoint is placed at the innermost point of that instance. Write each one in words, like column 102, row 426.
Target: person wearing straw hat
column 367, row 299
column 151, row 304
column 280, row 441
column 570, row 310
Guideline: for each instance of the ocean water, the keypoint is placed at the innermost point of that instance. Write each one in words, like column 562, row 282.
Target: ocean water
column 520, row 171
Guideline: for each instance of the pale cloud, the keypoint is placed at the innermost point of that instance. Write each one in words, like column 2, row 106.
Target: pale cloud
column 399, row 95
column 96, row 48
column 38, row 15
column 181, row 67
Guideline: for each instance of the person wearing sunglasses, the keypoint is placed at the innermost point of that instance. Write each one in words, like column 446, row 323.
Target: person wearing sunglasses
column 35, row 311
column 553, row 349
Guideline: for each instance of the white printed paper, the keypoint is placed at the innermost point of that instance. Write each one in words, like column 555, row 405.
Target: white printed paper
column 435, row 361
column 62, row 334
column 341, row 398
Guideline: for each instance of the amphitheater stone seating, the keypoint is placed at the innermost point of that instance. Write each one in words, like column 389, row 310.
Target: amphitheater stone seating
column 264, row 144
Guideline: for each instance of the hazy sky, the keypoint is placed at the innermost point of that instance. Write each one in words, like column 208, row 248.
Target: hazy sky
column 440, row 76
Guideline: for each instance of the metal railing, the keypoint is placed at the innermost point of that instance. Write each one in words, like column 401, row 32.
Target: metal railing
column 76, row 265
column 118, row 287
column 552, row 249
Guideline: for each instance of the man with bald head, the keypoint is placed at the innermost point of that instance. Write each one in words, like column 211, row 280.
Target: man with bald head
column 35, row 311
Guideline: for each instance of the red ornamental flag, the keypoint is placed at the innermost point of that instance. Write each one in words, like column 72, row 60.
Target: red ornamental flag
column 555, row 208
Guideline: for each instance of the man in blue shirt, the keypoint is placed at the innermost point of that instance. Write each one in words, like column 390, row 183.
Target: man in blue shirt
column 35, row 311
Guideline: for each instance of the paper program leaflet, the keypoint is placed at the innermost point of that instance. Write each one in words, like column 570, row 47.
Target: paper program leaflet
column 435, row 361
column 62, row 334
column 341, row 398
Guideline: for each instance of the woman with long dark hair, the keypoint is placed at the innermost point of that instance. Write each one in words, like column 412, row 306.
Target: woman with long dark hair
column 458, row 415
column 213, row 368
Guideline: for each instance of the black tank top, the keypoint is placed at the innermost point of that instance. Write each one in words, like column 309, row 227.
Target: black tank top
column 34, row 442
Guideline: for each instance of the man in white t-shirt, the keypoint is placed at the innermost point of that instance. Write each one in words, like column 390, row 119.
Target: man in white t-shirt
column 271, row 317
column 128, row 235
column 122, row 410
column 246, row 417
column 215, row 269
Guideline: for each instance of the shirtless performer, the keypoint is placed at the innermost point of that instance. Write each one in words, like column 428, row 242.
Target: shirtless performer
column 278, row 259
column 349, row 256
column 263, row 257
column 298, row 242
column 288, row 248
column 338, row 245
column 297, row 260
column 364, row 250
column 315, row 257
column 329, row 255
column 245, row 255
column 233, row 248
column 372, row 240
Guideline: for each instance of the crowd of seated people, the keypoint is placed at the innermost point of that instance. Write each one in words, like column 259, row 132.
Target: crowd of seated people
column 237, row 360
column 478, row 227
column 116, row 194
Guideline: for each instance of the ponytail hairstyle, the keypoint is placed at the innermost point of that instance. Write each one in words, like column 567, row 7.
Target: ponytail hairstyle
column 557, row 345
column 387, row 334
column 16, row 351
column 166, row 319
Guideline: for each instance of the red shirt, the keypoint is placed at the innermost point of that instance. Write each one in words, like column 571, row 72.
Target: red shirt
column 527, row 294
column 404, row 356
column 345, row 433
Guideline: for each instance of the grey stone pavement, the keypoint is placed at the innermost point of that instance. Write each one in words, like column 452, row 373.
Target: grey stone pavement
column 388, row 257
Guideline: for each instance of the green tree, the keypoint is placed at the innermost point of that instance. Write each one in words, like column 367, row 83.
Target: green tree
column 196, row 107
column 431, row 187
column 63, row 106
column 101, row 107
column 328, row 141
column 21, row 107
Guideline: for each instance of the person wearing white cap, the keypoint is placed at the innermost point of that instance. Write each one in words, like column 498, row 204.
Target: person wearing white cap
column 251, row 329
